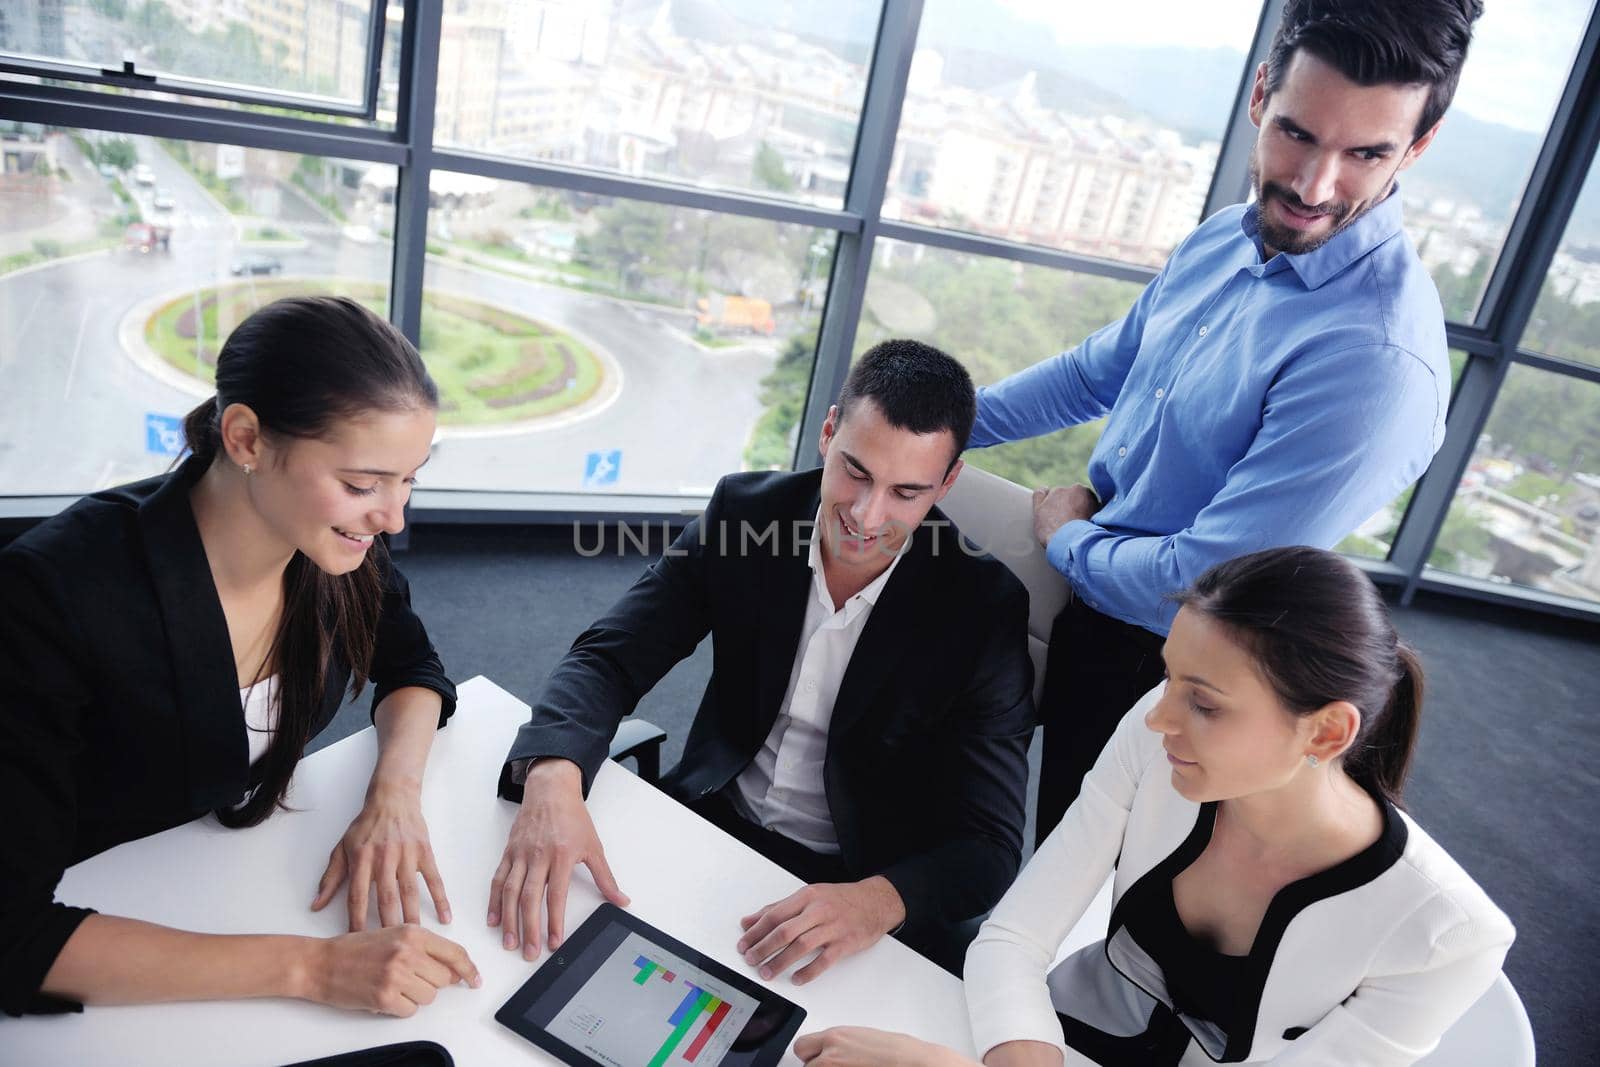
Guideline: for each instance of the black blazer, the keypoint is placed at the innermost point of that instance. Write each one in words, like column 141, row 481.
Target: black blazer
column 927, row 749
column 119, row 702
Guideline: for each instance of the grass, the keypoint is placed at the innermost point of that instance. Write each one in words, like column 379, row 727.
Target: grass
column 45, row 250
column 464, row 343
column 270, row 233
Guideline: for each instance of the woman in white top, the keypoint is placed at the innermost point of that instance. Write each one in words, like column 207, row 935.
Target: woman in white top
column 1271, row 903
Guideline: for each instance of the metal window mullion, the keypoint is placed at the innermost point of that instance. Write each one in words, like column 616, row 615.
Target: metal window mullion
column 869, row 175
column 377, row 16
column 195, row 123
column 1567, row 368
column 602, row 183
column 419, row 75
column 21, row 92
column 1471, row 339
column 1230, row 182
column 995, row 248
column 1565, row 160
column 178, row 86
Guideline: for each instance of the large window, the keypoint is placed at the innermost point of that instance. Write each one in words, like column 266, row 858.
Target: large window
column 1086, row 127
column 613, row 345
column 124, row 263
column 760, row 97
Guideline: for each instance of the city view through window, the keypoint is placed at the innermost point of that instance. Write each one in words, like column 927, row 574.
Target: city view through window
column 575, row 337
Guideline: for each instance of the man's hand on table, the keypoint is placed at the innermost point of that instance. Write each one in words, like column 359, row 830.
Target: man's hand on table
column 551, row 836
column 831, row 920
column 386, row 848
column 1054, row 508
column 855, row 1046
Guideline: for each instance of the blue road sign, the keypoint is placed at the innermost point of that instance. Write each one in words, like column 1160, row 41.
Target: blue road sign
column 163, row 434
column 601, row 469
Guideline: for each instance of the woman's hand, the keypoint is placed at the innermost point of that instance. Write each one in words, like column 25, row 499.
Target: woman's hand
column 394, row 971
column 855, row 1046
column 386, row 848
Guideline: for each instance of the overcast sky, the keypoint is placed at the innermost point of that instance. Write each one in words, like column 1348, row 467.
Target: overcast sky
column 1521, row 49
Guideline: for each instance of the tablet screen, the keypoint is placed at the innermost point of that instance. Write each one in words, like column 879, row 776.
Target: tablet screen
column 625, row 995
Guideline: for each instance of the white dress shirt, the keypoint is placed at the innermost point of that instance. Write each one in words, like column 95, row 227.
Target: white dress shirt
column 782, row 789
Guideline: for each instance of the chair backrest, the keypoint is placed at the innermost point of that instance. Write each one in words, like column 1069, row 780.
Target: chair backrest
column 997, row 515
column 1494, row 1030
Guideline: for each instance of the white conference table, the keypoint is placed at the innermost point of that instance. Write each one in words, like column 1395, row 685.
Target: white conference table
column 683, row 874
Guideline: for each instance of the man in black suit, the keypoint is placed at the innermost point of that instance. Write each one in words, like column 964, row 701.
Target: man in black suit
column 869, row 709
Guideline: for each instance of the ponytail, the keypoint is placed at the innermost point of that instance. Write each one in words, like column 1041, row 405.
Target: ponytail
column 202, row 431
column 1381, row 757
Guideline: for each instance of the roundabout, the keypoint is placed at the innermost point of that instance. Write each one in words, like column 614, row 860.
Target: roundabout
column 497, row 370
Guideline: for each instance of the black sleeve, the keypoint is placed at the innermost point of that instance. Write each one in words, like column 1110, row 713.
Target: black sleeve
column 402, row 655
column 43, row 700
column 982, row 769
column 616, row 661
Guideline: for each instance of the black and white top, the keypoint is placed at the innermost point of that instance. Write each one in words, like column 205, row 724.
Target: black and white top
column 1367, row 962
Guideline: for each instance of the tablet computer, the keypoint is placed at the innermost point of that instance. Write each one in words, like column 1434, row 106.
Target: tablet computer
column 620, row 993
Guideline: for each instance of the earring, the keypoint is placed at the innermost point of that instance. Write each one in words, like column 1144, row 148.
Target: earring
column 247, row 470
column 1312, row 760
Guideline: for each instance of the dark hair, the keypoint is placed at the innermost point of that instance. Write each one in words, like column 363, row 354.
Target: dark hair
column 301, row 364
column 1381, row 42
column 1319, row 632
column 917, row 387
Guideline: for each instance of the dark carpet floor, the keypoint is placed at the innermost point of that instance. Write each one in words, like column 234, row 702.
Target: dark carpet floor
column 1507, row 776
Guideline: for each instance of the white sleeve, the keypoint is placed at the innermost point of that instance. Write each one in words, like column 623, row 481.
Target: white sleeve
column 1007, row 997
column 1393, row 1020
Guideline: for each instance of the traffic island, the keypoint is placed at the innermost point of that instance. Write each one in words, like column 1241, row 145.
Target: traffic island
column 497, row 370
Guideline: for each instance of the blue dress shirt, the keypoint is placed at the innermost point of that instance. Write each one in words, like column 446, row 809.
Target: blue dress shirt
column 1252, row 404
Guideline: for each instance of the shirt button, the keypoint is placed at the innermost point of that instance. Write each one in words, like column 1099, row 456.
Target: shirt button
column 1122, row 451
column 1204, row 330
column 1160, row 393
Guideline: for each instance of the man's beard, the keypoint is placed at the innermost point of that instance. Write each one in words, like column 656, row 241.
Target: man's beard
column 1282, row 238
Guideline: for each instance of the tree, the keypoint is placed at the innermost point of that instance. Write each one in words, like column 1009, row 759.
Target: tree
column 631, row 242
column 119, row 152
column 783, row 393
column 769, row 172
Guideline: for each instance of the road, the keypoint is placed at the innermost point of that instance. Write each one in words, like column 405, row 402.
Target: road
column 73, row 407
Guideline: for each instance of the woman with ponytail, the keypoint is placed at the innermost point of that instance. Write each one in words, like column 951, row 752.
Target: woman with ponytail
column 1271, row 903
column 168, row 648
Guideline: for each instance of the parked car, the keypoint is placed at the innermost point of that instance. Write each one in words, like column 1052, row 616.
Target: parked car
column 144, row 175
column 163, row 200
column 256, row 264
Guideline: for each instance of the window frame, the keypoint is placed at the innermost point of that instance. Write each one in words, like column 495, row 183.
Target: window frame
column 129, row 77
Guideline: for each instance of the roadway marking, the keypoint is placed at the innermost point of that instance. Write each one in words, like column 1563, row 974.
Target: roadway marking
column 72, row 368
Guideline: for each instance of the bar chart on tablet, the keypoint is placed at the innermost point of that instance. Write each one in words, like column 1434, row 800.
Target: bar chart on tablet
column 646, row 1008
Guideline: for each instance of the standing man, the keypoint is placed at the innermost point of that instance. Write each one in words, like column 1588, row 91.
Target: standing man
column 1282, row 378
column 868, row 714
